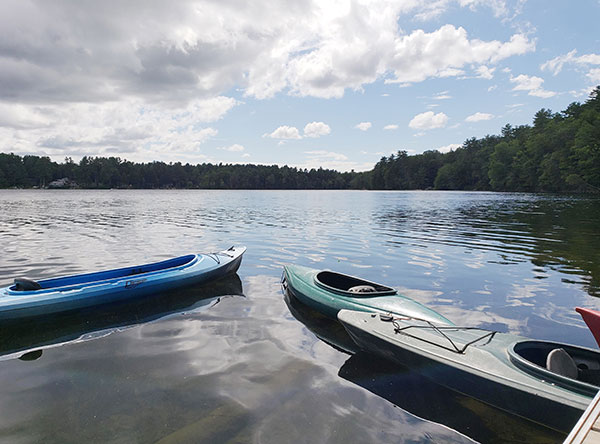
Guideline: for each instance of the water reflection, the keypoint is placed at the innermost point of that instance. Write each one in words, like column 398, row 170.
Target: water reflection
column 241, row 372
column 26, row 338
column 326, row 329
column 558, row 233
column 514, row 262
column 410, row 390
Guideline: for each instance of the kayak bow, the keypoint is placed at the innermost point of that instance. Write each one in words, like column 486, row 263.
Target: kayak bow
column 592, row 319
column 329, row 292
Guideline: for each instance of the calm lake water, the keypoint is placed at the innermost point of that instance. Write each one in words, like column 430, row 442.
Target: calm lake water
column 236, row 361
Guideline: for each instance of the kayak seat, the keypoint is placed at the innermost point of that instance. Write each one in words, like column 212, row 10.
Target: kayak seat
column 362, row 289
column 561, row 363
column 23, row 284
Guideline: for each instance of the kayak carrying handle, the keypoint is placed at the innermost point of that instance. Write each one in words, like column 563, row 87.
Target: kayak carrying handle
column 439, row 329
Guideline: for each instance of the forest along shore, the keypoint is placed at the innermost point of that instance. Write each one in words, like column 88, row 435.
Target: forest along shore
column 559, row 153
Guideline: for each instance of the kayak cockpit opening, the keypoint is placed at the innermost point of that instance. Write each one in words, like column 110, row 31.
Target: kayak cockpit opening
column 24, row 284
column 558, row 363
column 350, row 284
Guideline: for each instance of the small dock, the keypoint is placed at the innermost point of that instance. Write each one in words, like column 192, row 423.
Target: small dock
column 587, row 429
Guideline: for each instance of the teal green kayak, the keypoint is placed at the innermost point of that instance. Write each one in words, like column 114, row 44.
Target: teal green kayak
column 329, row 292
column 546, row 382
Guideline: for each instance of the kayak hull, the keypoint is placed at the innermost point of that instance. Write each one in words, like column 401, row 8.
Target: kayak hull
column 80, row 291
column 302, row 283
column 483, row 372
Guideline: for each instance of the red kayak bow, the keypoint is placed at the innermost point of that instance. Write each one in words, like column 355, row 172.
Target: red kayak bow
column 592, row 319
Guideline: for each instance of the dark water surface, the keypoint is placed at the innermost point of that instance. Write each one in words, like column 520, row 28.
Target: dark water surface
column 236, row 361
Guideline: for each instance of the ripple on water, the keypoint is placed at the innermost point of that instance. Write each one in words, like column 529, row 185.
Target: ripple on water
column 249, row 370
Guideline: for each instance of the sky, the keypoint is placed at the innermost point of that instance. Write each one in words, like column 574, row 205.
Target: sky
column 333, row 84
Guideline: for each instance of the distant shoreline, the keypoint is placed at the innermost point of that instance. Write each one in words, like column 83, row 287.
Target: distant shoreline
column 560, row 153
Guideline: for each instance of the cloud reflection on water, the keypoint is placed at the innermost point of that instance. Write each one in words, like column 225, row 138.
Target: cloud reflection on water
column 240, row 370
column 246, row 369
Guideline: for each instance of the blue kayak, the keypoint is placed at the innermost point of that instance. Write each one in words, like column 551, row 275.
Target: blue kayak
column 27, row 298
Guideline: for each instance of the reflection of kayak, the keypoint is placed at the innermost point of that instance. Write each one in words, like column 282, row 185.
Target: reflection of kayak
column 29, row 298
column 504, row 370
column 410, row 390
column 326, row 329
column 35, row 334
column 329, row 292
column 592, row 319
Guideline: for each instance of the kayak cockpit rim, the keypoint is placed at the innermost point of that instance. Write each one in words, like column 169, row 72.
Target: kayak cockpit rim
column 180, row 262
column 343, row 283
column 531, row 357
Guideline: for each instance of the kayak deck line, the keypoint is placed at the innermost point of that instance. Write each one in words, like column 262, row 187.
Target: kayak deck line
column 516, row 357
column 215, row 256
column 489, row 334
column 486, row 370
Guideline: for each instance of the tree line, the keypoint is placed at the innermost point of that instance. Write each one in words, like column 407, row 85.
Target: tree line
column 560, row 152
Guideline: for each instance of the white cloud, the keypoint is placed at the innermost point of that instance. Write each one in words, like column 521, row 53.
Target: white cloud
column 19, row 116
column 442, row 96
column 363, row 126
column 316, row 129
column 485, row 72
column 433, row 9
column 187, row 50
column 531, row 84
column 233, row 148
column 147, row 83
column 448, row 148
column 446, row 52
column 428, row 120
column 285, row 132
column 390, row 127
column 477, row 117
column 327, row 154
column 245, row 155
column 594, row 75
column 499, row 7
column 544, row 94
column 133, row 129
column 581, row 63
column 556, row 64
column 527, row 83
